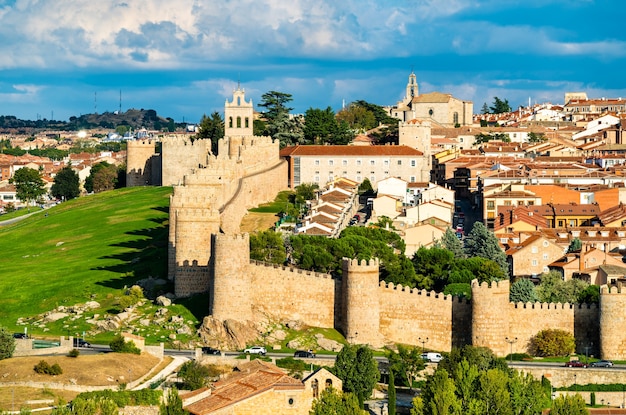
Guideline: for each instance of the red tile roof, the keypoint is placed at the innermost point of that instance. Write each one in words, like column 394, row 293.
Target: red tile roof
column 363, row 151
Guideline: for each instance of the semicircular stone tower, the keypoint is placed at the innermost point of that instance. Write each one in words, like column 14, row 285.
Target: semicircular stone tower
column 361, row 320
column 230, row 296
column 612, row 322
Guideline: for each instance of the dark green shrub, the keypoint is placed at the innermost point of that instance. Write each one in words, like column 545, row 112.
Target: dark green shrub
column 73, row 353
column 119, row 345
column 552, row 342
column 141, row 397
column 592, row 399
column 44, row 368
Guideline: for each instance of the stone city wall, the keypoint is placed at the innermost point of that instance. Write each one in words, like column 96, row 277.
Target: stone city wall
column 293, row 294
column 612, row 321
column 180, row 156
column 408, row 315
column 139, row 162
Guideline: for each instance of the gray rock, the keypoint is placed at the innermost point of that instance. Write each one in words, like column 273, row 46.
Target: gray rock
column 54, row 317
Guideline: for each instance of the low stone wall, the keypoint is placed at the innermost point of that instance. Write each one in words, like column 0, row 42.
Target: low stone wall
column 24, row 347
column 561, row 377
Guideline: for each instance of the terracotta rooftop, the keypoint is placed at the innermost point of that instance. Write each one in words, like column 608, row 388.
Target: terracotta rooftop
column 363, row 151
column 250, row 379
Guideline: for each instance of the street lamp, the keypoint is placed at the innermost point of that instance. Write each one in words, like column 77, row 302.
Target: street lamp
column 423, row 341
column 587, row 347
column 511, row 341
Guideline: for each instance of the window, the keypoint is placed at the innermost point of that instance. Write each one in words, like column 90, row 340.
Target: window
column 545, row 257
column 546, row 244
column 344, row 162
column 399, row 162
column 534, row 250
column 330, row 162
column 386, row 173
column 386, row 163
column 344, row 173
column 316, row 179
column 372, row 162
column 373, row 179
column 455, row 118
column 490, row 204
column 534, row 262
column 413, row 163
column 317, row 162
column 358, row 177
column 507, row 203
column 291, row 401
column 358, row 162
column 412, row 179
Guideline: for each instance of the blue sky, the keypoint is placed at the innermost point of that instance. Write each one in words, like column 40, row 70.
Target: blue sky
column 183, row 58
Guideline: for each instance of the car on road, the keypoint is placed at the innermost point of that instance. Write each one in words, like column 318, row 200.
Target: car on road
column 432, row 357
column 81, row 343
column 20, row 336
column 210, row 350
column 304, row 353
column 575, row 363
column 256, row 350
column 602, row 363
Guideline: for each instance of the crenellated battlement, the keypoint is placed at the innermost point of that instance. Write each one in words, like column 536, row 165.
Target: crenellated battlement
column 553, row 306
column 140, row 143
column 292, row 270
column 399, row 288
column 500, row 286
column 606, row 290
column 354, row 264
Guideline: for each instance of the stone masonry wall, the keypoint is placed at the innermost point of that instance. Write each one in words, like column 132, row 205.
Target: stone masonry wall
column 407, row 315
column 293, row 294
column 180, row 156
column 139, row 163
column 612, row 323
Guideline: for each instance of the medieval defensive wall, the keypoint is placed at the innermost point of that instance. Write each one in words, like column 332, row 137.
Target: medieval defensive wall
column 208, row 254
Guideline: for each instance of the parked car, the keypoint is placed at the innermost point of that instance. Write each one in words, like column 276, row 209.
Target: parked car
column 256, row 350
column 81, row 343
column 432, row 357
column 602, row 363
column 210, row 350
column 304, row 353
column 20, row 336
column 575, row 363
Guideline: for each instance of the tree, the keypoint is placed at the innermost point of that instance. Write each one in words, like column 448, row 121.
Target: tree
column 267, row 246
column 7, row 344
column 358, row 117
column 451, row 242
column 575, row 245
column 279, row 125
column 194, row 375
column 120, row 345
column 523, row 291
column 321, row 127
column 493, row 392
column 528, row 396
column 28, row 184
column 334, row 402
column 366, row 187
column 484, row 109
column 500, row 106
column 552, row 342
column 439, row 394
column 103, row 176
column 554, row 290
column 569, row 405
column 391, row 394
column 173, row 405
column 356, row 367
column 407, row 362
column 211, row 128
column 66, row 184
column 536, row 137
column 482, row 242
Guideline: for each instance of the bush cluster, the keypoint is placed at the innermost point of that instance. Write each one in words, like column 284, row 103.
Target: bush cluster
column 44, row 368
column 552, row 342
column 119, row 345
column 73, row 353
column 140, row 397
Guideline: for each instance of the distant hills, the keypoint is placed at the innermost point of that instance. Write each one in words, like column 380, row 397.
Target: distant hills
column 132, row 118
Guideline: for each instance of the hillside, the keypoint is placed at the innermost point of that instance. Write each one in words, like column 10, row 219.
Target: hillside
column 87, row 249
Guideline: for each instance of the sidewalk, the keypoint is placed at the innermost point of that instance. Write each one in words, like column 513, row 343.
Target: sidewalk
column 169, row 369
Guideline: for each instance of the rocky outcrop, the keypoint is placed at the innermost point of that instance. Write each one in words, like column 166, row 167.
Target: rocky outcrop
column 229, row 334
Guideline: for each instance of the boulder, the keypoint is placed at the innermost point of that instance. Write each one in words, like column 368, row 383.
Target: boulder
column 328, row 344
column 163, row 301
column 54, row 317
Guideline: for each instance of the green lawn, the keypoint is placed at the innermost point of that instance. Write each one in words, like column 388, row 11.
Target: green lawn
column 87, row 248
column 279, row 204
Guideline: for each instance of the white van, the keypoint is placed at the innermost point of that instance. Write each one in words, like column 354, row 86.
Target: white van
column 432, row 357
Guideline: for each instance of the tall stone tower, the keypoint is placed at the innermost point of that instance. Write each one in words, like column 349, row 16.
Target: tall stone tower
column 490, row 316
column 139, row 156
column 612, row 323
column 361, row 318
column 238, row 115
column 230, row 291
column 416, row 134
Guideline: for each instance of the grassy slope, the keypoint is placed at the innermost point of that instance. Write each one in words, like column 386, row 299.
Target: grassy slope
column 91, row 245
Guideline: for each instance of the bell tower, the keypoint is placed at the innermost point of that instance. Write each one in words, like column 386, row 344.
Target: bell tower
column 238, row 115
column 412, row 89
